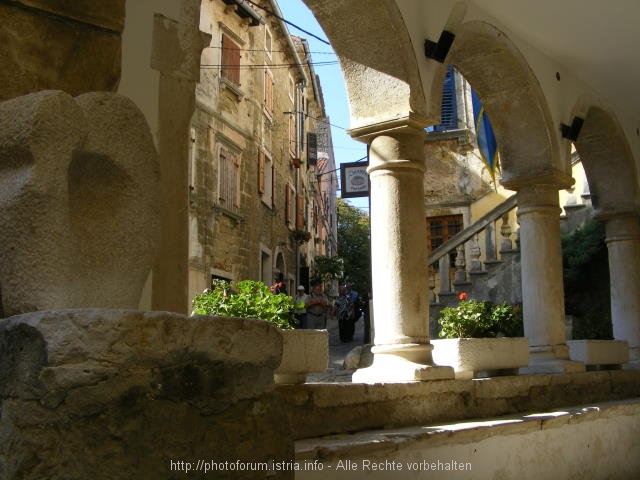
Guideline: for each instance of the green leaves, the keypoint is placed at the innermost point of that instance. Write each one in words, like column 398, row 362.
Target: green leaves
column 245, row 299
column 474, row 319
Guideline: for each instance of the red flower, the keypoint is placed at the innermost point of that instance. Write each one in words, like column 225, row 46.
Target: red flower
column 462, row 296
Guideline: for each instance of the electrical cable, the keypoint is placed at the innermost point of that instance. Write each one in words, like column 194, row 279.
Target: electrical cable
column 272, row 13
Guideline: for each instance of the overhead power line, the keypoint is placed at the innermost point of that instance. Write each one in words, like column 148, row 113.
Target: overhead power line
column 265, row 51
column 273, row 14
column 257, row 66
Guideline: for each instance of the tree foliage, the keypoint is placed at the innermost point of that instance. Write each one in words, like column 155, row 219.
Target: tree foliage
column 326, row 269
column 354, row 245
column 586, row 281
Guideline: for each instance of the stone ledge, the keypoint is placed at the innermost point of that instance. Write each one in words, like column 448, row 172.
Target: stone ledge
column 387, row 442
column 322, row 409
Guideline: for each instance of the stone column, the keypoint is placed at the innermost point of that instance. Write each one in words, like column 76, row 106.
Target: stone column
column 402, row 351
column 623, row 243
column 542, row 284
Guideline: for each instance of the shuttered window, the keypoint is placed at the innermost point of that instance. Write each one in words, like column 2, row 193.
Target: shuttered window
column 449, row 106
column 292, row 135
column 300, row 212
column 228, row 179
column 289, row 205
column 230, row 60
column 261, row 172
column 268, row 93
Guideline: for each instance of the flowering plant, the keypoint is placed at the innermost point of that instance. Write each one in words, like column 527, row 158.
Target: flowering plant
column 301, row 236
column 474, row 319
column 245, row 299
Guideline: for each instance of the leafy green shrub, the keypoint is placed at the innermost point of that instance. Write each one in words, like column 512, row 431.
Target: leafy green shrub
column 474, row 319
column 245, row 299
column 586, row 281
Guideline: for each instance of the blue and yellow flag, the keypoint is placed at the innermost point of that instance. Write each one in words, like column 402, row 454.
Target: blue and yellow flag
column 486, row 139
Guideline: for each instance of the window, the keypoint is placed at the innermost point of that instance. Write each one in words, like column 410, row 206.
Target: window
column 292, row 88
column 293, row 135
column 300, row 212
column 266, row 178
column 268, row 42
column 228, row 179
column 289, row 205
column 268, row 93
column 441, row 229
column 449, row 107
column 230, row 68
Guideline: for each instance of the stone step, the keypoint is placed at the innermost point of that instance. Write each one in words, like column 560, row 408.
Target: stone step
column 437, row 449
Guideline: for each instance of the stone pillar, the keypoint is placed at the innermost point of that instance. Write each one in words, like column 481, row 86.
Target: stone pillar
column 402, row 351
column 176, row 51
column 542, row 284
column 623, row 243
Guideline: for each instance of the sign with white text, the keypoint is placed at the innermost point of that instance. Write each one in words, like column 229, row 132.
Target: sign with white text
column 354, row 180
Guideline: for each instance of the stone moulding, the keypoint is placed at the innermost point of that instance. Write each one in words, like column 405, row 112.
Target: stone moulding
column 470, row 356
column 303, row 352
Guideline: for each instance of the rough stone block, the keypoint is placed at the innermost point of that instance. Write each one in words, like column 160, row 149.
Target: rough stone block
column 79, row 204
column 120, row 394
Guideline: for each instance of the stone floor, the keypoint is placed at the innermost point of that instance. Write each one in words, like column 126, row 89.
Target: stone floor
column 338, row 351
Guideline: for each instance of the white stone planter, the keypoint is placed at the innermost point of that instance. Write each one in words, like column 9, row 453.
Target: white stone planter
column 470, row 356
column 596, row 354
column 303, row 352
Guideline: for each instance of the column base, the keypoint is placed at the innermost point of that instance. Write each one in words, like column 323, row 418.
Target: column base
column 402, row 363
column 551, row 359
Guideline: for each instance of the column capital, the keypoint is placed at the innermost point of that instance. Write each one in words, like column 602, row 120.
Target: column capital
column 409, row 123
column 620, row 226
column 554, row 179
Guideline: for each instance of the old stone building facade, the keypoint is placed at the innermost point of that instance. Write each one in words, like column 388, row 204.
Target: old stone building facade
column 255, row 155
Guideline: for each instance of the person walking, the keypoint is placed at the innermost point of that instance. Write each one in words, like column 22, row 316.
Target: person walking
column 344, row 315
column 316, row 306
column 300, row 308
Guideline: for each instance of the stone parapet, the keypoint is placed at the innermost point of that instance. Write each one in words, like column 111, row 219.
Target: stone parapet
column 121, row 394
column 323, row 409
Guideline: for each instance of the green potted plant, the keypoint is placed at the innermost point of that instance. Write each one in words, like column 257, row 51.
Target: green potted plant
column 303, row 351
column 481, row 337
column 301, row 236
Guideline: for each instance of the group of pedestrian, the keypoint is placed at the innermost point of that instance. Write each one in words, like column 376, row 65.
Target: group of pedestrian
column 311, row 310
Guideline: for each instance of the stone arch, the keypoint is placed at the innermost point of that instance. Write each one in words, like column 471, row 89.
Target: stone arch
column 608, row 163
column 279, row 266
column 513, row 99
column 380, row 68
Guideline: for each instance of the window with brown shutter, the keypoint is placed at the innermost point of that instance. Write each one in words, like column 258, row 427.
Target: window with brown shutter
column 292, row 135
column 289, row 205
column 261, row 172
column 228, row 179
column 230, row 68
column 268, row 93
column 300, row 212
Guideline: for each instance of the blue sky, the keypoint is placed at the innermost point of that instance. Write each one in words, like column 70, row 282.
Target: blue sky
column 345, row 149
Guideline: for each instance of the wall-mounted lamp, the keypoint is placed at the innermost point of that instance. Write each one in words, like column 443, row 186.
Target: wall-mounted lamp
column 572, row 132
column 438, row 51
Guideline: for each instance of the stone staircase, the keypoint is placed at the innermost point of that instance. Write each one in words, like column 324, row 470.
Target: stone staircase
column 494, row 276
